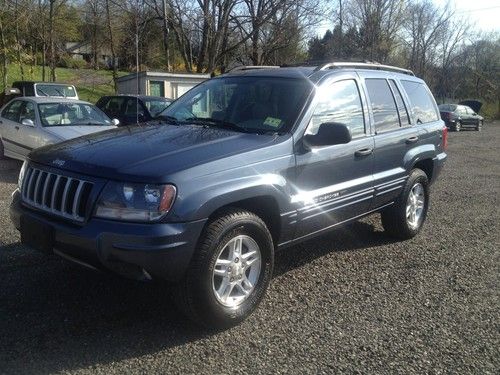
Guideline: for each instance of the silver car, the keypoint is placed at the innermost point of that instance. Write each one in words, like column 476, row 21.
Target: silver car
column 27, row 123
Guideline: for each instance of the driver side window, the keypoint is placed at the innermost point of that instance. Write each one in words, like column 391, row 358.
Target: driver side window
column 27, row 112
column 341, row 103
column 12, row 111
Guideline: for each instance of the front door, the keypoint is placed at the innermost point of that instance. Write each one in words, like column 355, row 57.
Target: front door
column 13, row 144
column 334, row 183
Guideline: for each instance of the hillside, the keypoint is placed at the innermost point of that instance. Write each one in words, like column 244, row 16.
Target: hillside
column 90, row 84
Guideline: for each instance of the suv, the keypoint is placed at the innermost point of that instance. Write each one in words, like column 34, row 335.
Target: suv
column 242, row 165
column 41, row 89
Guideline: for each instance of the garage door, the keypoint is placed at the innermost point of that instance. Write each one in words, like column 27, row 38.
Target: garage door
column 183, row 88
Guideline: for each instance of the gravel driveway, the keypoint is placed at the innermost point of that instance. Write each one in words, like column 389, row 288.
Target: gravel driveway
column 351, row 301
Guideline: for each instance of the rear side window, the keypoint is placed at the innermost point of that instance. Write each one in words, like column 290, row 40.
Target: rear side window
column 384, row 108
column 114, row 105
column 340, row 103
column 421, row 102
column 404, row 119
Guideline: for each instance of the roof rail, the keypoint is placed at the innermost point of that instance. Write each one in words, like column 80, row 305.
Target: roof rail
column 250, row 67
column 365, row 65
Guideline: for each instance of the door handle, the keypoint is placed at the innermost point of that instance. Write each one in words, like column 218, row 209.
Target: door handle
column 411, row 140
column 363, row 152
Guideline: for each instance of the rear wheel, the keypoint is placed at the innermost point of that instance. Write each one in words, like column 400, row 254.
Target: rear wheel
column 230, row 271
column 405, row 217
column 458, row 126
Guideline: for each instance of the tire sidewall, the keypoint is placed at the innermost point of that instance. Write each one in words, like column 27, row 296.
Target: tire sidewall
column 216, row 312
column 458, row 126
column 417, row 176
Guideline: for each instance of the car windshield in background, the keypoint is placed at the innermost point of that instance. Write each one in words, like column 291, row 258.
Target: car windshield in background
column 55, row 90
column 447, row 107
column 255, row 104
column 71, row 114
column 155, row 106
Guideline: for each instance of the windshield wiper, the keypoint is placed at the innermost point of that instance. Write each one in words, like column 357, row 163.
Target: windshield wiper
column 169, row 119
column 215, row 122
column 89, row 124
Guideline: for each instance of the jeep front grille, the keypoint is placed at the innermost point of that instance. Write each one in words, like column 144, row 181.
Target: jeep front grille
column 56, row 194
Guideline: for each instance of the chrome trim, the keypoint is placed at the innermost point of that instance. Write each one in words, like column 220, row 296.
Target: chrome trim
column 32, row 186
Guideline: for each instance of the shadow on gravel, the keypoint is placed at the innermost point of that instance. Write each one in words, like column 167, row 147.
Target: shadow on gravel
column 68, row 318
column 356, row 236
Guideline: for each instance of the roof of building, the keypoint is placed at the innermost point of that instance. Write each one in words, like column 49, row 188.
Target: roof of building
column 163, row 75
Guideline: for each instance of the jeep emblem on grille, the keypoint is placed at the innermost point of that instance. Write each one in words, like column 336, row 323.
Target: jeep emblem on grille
column 58, row 162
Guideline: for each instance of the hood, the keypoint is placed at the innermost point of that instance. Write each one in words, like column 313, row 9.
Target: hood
column 474, row 104
column 68, row 132
column 147, row 153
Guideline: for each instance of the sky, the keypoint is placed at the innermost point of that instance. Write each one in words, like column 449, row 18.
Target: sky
column 483, row 14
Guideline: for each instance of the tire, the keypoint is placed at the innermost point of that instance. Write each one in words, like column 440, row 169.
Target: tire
column 201, row 295
column 395, row 219
column 479, row 126
column 458, row 126
column 2, row 152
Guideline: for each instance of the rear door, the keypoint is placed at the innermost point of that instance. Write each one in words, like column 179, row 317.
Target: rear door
column 394, row 135
column 334, row 183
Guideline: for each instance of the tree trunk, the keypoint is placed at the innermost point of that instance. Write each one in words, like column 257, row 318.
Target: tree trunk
column 52, row 56
column 3, row 49
column 112, row 47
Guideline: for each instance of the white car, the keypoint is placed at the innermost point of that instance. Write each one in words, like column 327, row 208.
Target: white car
column 27, row 123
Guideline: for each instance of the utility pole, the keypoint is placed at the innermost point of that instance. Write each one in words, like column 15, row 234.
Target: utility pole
column 165, row 34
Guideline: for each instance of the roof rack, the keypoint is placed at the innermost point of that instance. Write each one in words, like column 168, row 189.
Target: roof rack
column 364, row 65
column 250, row 67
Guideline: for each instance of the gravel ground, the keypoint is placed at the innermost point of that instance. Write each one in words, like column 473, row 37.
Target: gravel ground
column 352, row 301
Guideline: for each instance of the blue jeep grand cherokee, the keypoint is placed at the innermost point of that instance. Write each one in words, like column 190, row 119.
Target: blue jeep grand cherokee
column 242, row 165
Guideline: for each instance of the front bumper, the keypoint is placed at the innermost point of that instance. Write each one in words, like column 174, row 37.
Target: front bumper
column 160, row 250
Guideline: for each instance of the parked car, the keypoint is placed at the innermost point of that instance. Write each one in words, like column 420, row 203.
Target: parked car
column 29, row 122
column 133, row 109
column 243, row 165
column 460, row 116
column 38, row 89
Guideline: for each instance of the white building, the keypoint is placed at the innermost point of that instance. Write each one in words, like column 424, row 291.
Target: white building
column 168, row 85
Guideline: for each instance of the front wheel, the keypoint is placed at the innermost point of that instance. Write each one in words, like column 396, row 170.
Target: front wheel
column 406, row 216
column 230, row 271
column 479, row 126
column 458, row 126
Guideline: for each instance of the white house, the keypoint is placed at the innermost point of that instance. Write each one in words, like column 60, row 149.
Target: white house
column 169, row 85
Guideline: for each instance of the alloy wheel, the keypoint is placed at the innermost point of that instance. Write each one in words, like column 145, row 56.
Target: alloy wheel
column 236, row 271
column 415, row 206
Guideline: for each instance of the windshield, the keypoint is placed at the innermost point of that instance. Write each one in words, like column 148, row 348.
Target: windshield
column 260, row 104
column 68, row 114
column 155, row 106
column 55, row 90
column 448, row 107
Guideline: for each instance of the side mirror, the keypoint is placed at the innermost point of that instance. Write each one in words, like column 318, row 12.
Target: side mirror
column 115, row 122
column 28, row 122
column 329, row 134
column 12, row 91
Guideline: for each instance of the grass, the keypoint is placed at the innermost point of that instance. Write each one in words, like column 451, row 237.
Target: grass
column 90, row 84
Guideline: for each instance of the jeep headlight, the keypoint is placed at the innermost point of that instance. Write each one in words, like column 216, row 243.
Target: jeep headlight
column 22, row 172
column 135, row 202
